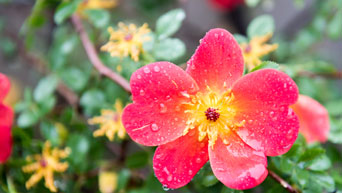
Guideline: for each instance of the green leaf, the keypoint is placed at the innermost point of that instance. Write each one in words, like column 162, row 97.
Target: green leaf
column 335, row 134
column 74, row 78
column 92, row 101
column 137, row 160
column 252, row 3
column 266, row 64
column 50, row 133
column 300, row 176
column 335, row 107
column 98, row 17
column 65, row 10
column 240, row 38
column 261, row 25
column 335, row 27
column 324, row 180
column 169, row 23
column 27, row 118
column 169, row 49
column 45, row 88
column 209, row 180
column 320, row 164
column 80, row 146
column 123, row 179
column 311, row 154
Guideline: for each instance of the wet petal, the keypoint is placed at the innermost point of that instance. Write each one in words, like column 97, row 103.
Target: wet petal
column 156, row 115
column 313, row 118
column 217, row 62
column 4, row 86
column 237, row 165
column 262, row 100
column 177, row 162
column 6, row 119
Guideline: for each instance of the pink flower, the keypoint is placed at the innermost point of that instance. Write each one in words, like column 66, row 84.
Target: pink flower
column 6, row 119
column 226, row 4
column 212, row 112
column 313, row 118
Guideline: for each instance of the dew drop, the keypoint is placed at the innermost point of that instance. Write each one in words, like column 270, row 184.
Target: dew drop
column 139, row 76
column 147, row 70
column 190, row 172
column 165, row 188
column 142, row 92
column 198, row 160
column 169, row 178
column 156, row 68
column 154, row 127
column 163, row 108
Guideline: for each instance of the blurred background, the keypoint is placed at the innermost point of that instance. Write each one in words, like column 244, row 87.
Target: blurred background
column 35, row 43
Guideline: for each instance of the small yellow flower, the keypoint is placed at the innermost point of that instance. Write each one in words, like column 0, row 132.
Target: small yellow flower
column 127, row 40
column 46, row 164
column 108, row 181
column 110, row 123
column 96, row 4
column 257, row 48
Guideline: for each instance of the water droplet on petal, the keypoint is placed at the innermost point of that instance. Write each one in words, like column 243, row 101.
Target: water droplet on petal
column 169, row 178
column 190, row 172
column 147, row 70
column 154, row 127
column 163, row 108
column 142, row 92
column 198, row 160
column 165, row 188
column 156, row 69
column 139, row 76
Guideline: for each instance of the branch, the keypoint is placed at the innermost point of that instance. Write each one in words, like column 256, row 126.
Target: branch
column 41, row 66
column 333, row 75
column 282, row 182
column 93, row 56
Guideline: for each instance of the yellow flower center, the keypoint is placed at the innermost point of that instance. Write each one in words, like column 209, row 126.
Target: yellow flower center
column 212, row 114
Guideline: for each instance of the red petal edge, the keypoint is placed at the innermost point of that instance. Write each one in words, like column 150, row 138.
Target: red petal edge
column 218, row 61
column 262, row 100
column 6, row 119
column 177, row 162
column 313, row 118
column 4, row 86
column 156, row 116
column 237, row 165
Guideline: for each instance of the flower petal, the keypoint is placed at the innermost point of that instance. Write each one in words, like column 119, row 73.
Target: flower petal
column 4, row 86
column 177, row 162
column 237, row 165
column 156, row 115
column 6, row 119
column 218, row 61
column 262, row 100
column 313, row 118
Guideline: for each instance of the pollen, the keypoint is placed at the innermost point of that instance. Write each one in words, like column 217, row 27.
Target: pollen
column 212, row 113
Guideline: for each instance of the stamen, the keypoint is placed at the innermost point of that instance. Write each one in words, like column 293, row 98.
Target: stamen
column 212, row 114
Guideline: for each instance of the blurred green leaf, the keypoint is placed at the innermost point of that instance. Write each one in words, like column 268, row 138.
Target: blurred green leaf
column 50, row 133
column 240, row 38
column 335, row 134
column 169, row 49
column 209, row 180
column 98, row 17
column 80, row 146
column 335, row 107
column 311, row 154
column 266, row 64
column 261, row 25
column 123, row 179
column 45, row 88
column 92, row 101
column 335, row 28
column 65, row 10
column 321, row 163
column 28, row 118
column 74, row 78
column 169, row 23
column 324, row 180
column 252, row 3
column 137, row 160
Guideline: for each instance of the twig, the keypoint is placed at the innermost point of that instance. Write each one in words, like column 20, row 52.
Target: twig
column 333, row 75
column 93, row 56
column 282, row 182
column 41, row 66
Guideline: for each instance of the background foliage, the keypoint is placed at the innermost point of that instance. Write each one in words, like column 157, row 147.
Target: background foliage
column 44, row 111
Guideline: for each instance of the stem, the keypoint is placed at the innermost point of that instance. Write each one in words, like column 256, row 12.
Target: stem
column 93, row 56
column 282, row 182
